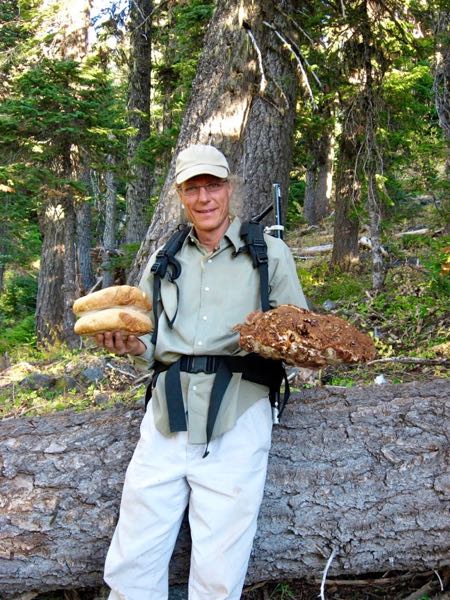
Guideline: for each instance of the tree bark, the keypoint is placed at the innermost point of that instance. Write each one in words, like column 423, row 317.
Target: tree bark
column 54, row 316
column 49, row 301
column 109, row 231
column 140, row 178
column 348, row 191
column 319, row 173
column 361, row 471
column 70, row 260
column 84, row 246
column 243, row 101
column 442, row 75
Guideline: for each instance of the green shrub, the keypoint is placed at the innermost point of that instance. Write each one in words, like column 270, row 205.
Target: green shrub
column 18, row 298
column 22, row 334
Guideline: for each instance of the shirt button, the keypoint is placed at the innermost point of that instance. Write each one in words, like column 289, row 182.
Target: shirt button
column 200, row 343
column 194, row 387
column 205, row 318
column 209, row 260
column 206, row 289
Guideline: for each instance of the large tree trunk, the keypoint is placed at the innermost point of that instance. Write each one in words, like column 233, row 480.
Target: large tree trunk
column 140, row 178
column 363, row 472
column 244, row 105
column 54, row 316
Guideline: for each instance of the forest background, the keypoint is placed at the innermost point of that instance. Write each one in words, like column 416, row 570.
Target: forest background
column 92, row 102
column 346, row 104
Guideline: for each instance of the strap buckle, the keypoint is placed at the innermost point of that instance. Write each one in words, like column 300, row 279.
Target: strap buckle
column 199, row 364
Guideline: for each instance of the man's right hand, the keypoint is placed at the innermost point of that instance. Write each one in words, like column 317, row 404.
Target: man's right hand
column 118, row 343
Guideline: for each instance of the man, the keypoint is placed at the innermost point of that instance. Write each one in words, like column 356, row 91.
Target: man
column 220, row 475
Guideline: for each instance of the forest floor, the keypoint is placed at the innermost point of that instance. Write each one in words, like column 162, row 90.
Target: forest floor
column 410, row 324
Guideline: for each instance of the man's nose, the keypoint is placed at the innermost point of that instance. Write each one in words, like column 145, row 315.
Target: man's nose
column 203, row 195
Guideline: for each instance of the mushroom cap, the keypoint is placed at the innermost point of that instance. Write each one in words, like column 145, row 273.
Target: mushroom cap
column 303, row 338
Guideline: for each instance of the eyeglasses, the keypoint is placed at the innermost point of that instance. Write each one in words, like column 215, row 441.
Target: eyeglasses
column 193, row 191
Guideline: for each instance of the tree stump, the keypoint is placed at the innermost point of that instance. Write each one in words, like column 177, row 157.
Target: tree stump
column 361, row 472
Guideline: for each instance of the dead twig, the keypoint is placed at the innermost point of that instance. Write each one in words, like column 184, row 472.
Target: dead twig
column 127, row 373
column 370, row 582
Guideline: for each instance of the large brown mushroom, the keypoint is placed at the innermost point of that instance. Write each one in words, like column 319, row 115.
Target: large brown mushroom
column 303, row 338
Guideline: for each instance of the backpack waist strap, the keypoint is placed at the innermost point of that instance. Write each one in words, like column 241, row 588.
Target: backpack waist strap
column 252, row 366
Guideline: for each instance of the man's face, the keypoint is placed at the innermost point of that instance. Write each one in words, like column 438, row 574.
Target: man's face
column 206, row 201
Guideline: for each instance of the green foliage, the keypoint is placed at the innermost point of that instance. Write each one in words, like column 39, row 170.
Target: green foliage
column 320, row 284
column 18, row 336
column 57, row 104
column 282, row 591
column 176, row 49
column 19, row 297
column 126, row 256
column 17, row 307
column 294, row 215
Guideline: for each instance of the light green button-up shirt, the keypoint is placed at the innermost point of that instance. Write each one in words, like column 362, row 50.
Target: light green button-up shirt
column 217, row 291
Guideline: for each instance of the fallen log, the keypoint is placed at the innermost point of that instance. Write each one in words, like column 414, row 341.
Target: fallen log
column 360, row 473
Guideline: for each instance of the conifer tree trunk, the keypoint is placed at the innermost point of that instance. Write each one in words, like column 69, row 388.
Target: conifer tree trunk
column 109, row 234
column 325, row 177
column 84, row 238
column 243, row 101
column 319, row 180
column 372, row 166
column 69, row 280
column 309, row 203
column 347, row 194
column 442, row 75
column 49, row 301
column 140, row 178
column 57, row 274
column 84, row 246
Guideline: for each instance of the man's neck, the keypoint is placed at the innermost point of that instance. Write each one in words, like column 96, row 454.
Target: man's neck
column 211, row 239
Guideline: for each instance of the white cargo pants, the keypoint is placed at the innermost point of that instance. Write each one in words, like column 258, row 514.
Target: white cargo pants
column 224, row 493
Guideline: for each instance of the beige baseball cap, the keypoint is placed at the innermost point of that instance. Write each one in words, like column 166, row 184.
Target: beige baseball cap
column 200, row 159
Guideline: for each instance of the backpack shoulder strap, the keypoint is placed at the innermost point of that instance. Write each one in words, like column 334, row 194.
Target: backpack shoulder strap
column 166, row 263
column 252, row 234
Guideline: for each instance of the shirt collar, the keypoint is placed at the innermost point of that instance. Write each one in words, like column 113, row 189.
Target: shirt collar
column 232, row 234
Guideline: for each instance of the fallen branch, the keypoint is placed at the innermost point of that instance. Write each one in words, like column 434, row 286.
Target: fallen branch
column 411, row 360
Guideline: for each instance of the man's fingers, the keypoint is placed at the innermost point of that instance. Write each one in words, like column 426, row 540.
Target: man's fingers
column 99, row 339
column 119, row 343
